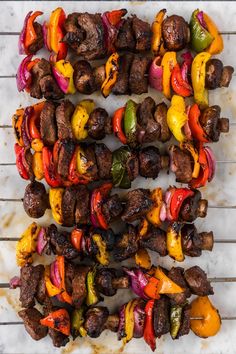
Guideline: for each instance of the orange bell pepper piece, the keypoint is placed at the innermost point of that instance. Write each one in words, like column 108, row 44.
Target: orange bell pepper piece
column 76, row 237
column 153, row 216
column 52, row 290
column 17, row 121
column 157, row 31
column 58, row 320
column 217, row 45
column 55, row 33
column 143, row 227
column 142, row 258
column 152, row 288
column 168, row 63
column 31, row 35
column 61, row 265
column 166, row 285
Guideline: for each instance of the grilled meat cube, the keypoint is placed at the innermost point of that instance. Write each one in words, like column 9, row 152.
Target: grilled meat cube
column 211, row 122
column 193, row 207
column 137, row 205
column 181, row 164
column 197, row 281
column 112, row 208
column 160, row 117
column 112, row 323
column 82, row 205
column 79, row 287
column 175, row 32
column 39, row 70
column 127, row 244
column 104, row 161
column 48, row 129
column 125, row 39
column 70, row 269
column 41, row 294
column 214, row 69
column 64, row 113
column 35, row 200
column 31, row 318
column 99, row 124
column 93, row 45
column 58, row 339
column 60, row 243
column 38, row 43
column 226, row 76
column 149, row 162
column 30, row 277
column 28, row 163
column 104, row 278
column 185, row 322
column 69, row 201
column 138, row 80
column 155, row 240
column 95, row 319
column 191, row 241
column 74, row 34
column 84, row 79
column 206, row 240
column 177, row 275
column 50, row 89
column 91, row 158
column 132, row 166
column 99, row 76
column 121, row 86
column 161, row 316
column 150, row 129
column 142, row 33
column 65, row 154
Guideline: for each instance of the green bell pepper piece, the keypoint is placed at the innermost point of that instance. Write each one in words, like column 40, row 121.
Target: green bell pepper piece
column 77, row 321
column 119, row 174
column 200, row 37
column 130, row 122
column 175, row 320
column 92, row 295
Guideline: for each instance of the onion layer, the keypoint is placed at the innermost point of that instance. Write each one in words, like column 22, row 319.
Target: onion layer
column 138, row 281
column 23, row 76
column 21, row 45
column 211, row 162
column 62, row 81
column 155, row 74
column 41, row 241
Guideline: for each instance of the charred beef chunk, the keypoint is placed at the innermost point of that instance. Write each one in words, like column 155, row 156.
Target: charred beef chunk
column 82, row 205
column 91, row 160
column 112, row 208
column 175, row 32
column 31, row 319
column 95, row 319
column 155, row 240
column 35, row 200
column 28, row 163
column 214, row 69
column 38, row 43
column 112, row 323
column 65, row 154
column 150, row 129
column 193, row 207
column 138, row 80
column 181, row 164
column 191, row 241
column 69, row 200
column 79, row 288
column 127, row 244
column 137, row 205
column 93, row 44
column 226, row 76
column 30, row 277
column 48, row 130
column 104, row 278
column 60, row 243
column 104, row 161
column 177, row 275
column 197, row 281
column 125, row 39
column 142, row 33
column 70, row 269
column 185, row 322
column 132, row 166
column 84, row 78
column 58, row 339
column 41, row 294
column 160, row 117
column 39, row 70
column 50, row 89
column 149, row 162
column 121, row 86
column 99, row 124
column 74, row 34
column 161, row 316
column 64, row 113
column 99, row 76
column 211, row 122
column 206, row 240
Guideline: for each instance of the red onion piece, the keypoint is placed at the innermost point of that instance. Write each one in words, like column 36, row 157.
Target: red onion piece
column 21, row 40
column 155, row 74
column 163, row 212
column 138, row 281
column 121, row 327
column 41, row 241
column 62, row 81
column 184, row 71
column 15, row 282
column 187, row 58
column 139, row 320
column 92, row 214
column 168, row 197
column 45, row 36
column 187, row 131
column 201, row 19
column 23, row 75
column 211, row 162
column 55, row 275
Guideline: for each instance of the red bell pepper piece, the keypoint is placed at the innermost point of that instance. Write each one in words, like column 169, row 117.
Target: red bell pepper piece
column 148, row 334
column 117, row 124
column 194, row 124
column 52, row 178
column 97, row 198
column 76, row 238
column 34, row 121
column 179, row 85
column 179, row 195
column 115, row 16
column 30, row 35
column 19, row 151
column 58, row 320
column 203, row 176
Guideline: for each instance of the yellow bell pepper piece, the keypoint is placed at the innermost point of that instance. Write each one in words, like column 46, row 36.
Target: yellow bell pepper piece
column 52, row 290
column 177, row 117
column 217, row 45
column 37, row 145
column 26, row 246
column 168, row 63
column 195, row 156
column 157, row 31
column 66, row 69
column 143, row 227
column 89, row 105
column 37, row 165
column 153, row 216
column 111, row 71
column 102, row 255
column 166, row 285
column 82, row 164
column 142, row 258
column 198, row 73
column 173, row 242
column 78, row 122
column 129, row 320
column 55, row 200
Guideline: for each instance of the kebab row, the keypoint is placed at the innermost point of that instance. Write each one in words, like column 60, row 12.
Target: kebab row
column 161, row 307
